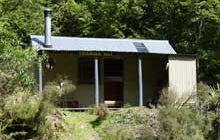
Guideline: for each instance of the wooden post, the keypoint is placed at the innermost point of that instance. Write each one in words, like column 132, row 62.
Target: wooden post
column 96, row 72
column 140, row 82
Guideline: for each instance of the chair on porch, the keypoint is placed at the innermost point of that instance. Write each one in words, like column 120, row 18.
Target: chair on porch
column 68, row 102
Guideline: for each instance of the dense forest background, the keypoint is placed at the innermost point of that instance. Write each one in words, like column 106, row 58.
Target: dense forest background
column 192, row 27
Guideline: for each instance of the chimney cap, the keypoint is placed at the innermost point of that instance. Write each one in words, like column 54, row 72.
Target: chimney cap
column 47, row 11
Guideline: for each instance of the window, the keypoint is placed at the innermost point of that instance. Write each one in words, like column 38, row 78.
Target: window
column 86, row 70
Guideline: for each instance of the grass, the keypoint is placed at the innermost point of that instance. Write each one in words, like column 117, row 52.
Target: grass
column 128, row 124
column 124, row 124
column 80, row 122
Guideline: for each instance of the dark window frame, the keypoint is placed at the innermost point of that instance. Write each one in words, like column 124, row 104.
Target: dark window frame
column 86, row 71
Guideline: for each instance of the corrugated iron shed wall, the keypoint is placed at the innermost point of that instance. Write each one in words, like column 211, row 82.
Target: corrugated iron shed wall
column 182, row 76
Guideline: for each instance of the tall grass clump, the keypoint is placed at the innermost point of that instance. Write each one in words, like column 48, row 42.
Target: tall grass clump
column 200, row 122
column 167, row 97
column 26, row 116
column 208, row 103
column 185, row 124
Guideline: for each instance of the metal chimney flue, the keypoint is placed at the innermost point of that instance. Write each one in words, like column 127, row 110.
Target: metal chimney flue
column 47, row 28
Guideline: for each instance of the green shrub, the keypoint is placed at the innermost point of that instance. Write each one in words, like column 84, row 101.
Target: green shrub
column 184, row 124
column 58, row 88
column 102, row 111
column 27, row 116
column 22, row 106
column 208, row 98
column 208, row 103
column 215, row 132
column 167, row 97
column 53, row 127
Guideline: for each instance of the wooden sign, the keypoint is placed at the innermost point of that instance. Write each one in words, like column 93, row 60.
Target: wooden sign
column 88, row 53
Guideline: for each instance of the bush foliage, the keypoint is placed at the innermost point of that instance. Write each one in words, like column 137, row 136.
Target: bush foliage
column 24, row 114
column 182, row 124
column 171, row 121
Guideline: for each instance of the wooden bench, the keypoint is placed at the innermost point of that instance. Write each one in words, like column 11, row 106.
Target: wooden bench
column 113, row 103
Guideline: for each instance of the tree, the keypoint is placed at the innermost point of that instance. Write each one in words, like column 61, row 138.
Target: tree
column 191, row 27
column 17, row 59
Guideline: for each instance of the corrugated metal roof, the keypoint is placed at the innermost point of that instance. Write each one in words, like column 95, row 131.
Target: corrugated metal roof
column 103, row 44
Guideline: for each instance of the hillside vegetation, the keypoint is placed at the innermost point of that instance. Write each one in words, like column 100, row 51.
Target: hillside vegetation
column 140, row 123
